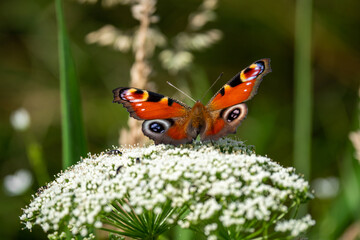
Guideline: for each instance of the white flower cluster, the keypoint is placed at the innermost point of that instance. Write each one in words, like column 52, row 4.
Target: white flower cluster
column 295, row 226
column 224, row 184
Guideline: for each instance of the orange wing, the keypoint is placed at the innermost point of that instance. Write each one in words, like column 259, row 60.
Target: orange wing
column 166, row 120
column 242, row 87
column 146, row 105
column 220, row 123
column 169, row 131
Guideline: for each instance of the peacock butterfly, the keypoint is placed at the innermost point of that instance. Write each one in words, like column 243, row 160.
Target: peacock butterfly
column 170, row 121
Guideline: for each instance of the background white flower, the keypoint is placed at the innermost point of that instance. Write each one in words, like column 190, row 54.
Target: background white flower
column 20, row 119
column 326, row 187
column 18, row 183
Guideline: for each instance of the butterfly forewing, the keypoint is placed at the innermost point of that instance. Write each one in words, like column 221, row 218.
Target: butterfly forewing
column 146, row 105
column 242, row 87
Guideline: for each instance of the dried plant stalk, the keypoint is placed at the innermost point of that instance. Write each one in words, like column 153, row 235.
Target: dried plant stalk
column 145, row 39
column 140, row 70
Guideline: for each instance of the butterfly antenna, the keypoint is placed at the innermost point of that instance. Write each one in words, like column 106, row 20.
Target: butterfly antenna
column 180, row 90
column 212, row 85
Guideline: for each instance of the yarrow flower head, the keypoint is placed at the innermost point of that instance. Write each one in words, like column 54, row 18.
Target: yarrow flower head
column 221, row 189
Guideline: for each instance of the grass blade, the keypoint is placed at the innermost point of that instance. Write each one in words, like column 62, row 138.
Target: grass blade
column 73, row 137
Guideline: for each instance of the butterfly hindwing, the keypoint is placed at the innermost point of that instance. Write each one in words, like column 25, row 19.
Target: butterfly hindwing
column 169, row 131
column 223, row 122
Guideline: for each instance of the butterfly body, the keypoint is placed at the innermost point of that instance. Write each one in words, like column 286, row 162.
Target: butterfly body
column 172, row 122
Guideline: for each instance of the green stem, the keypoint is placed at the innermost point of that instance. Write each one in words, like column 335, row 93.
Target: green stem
column 303, row 96
column 35, row 155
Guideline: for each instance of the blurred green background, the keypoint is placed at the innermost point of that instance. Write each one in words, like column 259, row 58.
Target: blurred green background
column 29, row 74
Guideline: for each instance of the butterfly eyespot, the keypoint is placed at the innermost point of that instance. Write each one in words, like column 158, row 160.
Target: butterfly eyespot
column 234, row 114
column 156, row 126
column 133, row 95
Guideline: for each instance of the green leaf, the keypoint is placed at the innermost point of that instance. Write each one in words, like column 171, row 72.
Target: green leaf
column 73, row 137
